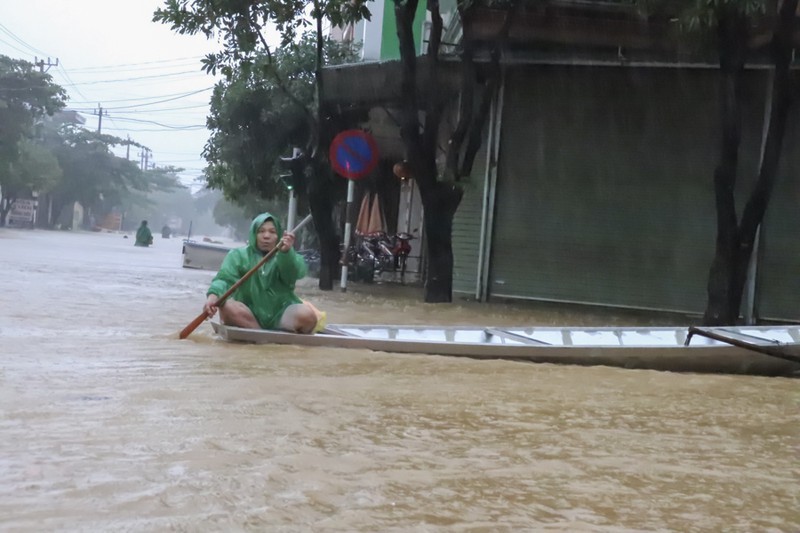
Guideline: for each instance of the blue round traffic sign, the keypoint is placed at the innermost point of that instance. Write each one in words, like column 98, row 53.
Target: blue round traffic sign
column 353, row 154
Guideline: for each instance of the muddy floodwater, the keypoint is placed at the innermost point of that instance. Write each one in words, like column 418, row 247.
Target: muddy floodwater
column 108, row 422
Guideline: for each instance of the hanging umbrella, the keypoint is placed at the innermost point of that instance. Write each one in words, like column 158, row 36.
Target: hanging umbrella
column 362, row 226
column 376, row 223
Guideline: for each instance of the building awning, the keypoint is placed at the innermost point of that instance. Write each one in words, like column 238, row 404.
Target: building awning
column 377, row 83
column 600, row 24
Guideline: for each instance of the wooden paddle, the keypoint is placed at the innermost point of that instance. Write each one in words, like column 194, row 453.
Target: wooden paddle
column 185, row 332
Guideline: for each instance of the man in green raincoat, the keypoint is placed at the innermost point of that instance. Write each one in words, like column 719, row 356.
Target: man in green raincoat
column 143, row 235
column 267, row 299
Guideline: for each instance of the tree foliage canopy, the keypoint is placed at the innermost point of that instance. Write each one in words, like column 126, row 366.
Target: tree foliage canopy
column 701, row 14
column 25, row 96
column 254, row 120
column 43, row 151
column 36, row 168
column 245, row 56
column 240, row 25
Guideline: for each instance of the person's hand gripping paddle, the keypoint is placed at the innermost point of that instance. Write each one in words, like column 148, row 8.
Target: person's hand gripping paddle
column 185, row 332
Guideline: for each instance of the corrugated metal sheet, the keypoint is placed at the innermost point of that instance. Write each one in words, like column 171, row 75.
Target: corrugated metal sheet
column 778, row 286
column 607, row 197
column 467, row 230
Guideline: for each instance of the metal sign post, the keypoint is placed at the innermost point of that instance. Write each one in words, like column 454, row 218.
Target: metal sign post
column 348, row 229
column 290, row 181
column 353, row 155
column 292, row 215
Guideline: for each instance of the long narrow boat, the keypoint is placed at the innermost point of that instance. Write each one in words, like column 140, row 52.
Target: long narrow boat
column 203, row 255
column 757, row 350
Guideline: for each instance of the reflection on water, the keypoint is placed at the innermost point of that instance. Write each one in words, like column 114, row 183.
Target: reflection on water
column 111, row 423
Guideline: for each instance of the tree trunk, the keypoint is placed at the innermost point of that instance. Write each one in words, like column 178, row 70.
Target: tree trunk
column 440, row 206
column 320, row 191
column 723, row 303
column 5, row 208
column 58, row 207
column 736, row 242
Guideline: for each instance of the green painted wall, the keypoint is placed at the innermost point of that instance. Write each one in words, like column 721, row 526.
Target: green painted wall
column 390, row 44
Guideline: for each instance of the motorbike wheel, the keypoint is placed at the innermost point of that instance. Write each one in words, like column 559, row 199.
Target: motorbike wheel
column 365, row 270
column 402, row 261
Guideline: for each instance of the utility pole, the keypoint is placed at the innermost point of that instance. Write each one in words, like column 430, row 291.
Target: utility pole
column 144, row 155
column 41, row 64
column 100, row 112
column 128, row 149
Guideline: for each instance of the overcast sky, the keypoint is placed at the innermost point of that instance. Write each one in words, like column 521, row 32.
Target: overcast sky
column 146, row 77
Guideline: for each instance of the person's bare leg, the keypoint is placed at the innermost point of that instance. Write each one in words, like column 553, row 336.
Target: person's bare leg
column 237, row 314
column 298, row 318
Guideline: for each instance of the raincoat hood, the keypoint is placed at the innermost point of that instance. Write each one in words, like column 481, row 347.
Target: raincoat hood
column 260, row 219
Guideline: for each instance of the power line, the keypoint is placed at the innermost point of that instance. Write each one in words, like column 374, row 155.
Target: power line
column 148, row 111
column 142, row 121
column 14, row 47
column 23, row 43
column 166, row 98
column 181, row 153
column 188, row 128
column 198, row 106
column 64, row 73
column 153, row 70
column 107, row 68
column 137, row 78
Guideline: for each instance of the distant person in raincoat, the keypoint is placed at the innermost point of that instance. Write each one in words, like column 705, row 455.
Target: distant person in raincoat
column 267, row 299
column 143, row 235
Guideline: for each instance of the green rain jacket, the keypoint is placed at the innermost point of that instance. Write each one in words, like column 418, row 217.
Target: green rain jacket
column 269, row 291
column 143, row 236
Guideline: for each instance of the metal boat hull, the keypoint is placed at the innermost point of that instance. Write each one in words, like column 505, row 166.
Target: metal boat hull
column 642, row 348
column 203, row 256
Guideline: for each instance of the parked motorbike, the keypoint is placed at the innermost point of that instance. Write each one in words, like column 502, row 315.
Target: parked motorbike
column 375, row 253
column 401, row 249
column 312, row 259
column 360, row 262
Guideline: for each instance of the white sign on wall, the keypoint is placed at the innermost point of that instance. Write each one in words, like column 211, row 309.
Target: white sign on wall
column 22, row 212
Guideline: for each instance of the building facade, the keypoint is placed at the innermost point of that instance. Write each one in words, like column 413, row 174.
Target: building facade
column 594, row 184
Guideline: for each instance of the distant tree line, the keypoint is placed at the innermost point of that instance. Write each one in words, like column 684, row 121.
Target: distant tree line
column 45, row 151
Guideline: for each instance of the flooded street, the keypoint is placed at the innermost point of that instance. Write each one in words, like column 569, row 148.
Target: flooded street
column 108, row 422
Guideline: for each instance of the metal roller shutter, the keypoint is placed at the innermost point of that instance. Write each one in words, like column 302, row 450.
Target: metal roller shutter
column 605, row 191
column 467, row 229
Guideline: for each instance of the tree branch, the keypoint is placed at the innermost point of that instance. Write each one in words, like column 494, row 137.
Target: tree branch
column 433, row 109
column 280, row 81
column 409, row 127
column 470, row 125
column 464, row 113
column 782, row 98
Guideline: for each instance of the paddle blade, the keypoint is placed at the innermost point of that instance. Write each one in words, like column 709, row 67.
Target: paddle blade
column 185, row 332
